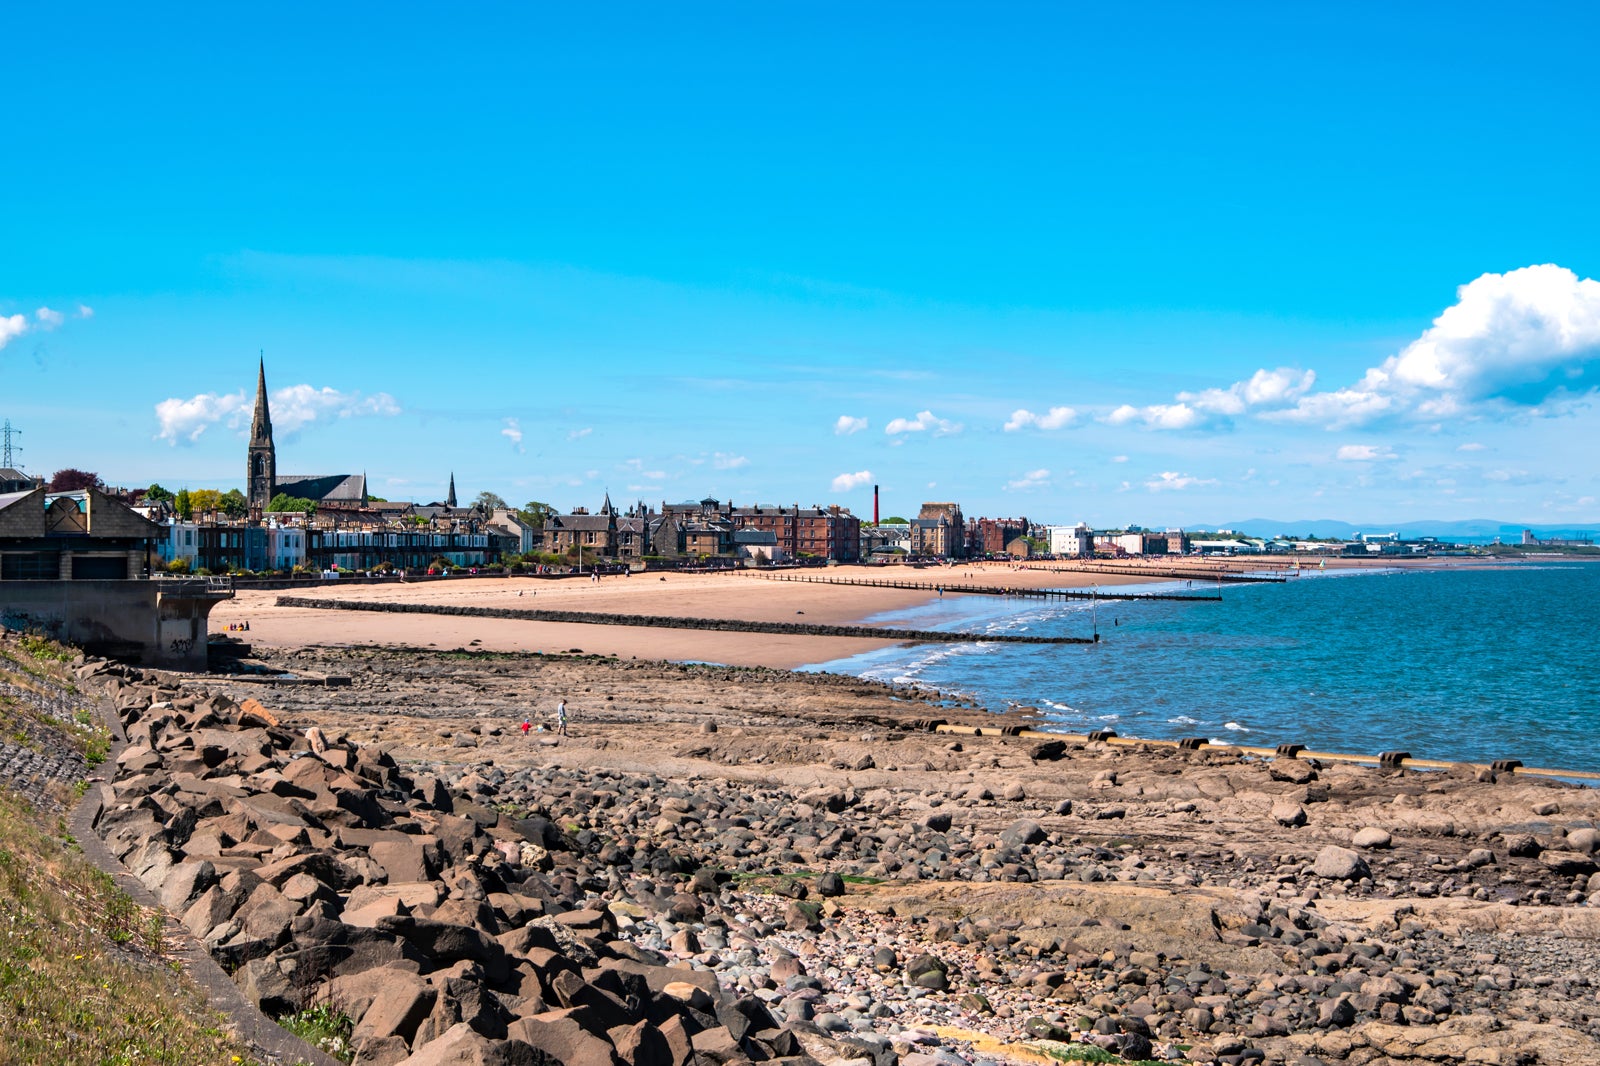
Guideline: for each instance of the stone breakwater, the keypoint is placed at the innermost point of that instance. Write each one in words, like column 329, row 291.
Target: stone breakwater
column 316, row 871
column 875, row 895
column 722, row 625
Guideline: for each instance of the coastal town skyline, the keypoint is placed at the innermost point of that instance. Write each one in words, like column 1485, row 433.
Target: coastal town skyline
column 1004, row 263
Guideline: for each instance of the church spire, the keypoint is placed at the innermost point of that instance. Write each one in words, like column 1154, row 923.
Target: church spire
column 450, row 497
column 261, row 473
column 261, row 424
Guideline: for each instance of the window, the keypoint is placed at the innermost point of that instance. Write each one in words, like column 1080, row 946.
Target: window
column 36, row 566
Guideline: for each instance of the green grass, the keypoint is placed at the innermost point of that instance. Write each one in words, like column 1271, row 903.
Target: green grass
column 45, row 650
column 42, row 669
column 323, row 1027
column 82, row 980
column 1086, row 1053
column 1074, row 1052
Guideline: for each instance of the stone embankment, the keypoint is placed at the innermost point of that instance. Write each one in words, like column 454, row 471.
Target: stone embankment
column 767, row 892
column 37, row 761
column 317, row 872
column 722, row 625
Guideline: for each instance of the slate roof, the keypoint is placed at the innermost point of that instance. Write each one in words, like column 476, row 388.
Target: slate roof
column 324, row 486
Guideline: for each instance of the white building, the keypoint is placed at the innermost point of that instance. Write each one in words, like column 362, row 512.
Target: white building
column 286, row 547
column 1071, row 540
column 1130, row 543
column 1228, row 546
column 181, row 542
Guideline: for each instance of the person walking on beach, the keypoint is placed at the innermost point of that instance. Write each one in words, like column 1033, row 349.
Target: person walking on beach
column 561, row 718
column 527, row 725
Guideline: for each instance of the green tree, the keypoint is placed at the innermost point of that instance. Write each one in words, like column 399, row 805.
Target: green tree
column 205, row 500
column 534, row 512
column 184, row 505
column 157, row 494
column 233, row 504
column 489, row 500
column 283, row 502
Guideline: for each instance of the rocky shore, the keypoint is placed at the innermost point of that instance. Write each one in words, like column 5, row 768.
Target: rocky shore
column 723, row 865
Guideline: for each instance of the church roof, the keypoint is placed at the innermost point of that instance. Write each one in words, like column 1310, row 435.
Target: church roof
column 324, row 486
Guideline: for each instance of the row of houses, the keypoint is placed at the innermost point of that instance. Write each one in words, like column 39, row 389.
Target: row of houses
column 708, row 529
column 225, row 546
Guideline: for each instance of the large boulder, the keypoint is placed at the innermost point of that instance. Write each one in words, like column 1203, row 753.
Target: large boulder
column 1340, row 864
column 1021, row 832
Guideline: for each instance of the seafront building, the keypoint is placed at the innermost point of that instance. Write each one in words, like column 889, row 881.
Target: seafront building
column 708, row 530
column 1076, row 540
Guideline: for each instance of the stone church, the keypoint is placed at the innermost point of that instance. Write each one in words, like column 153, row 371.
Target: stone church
column 328, row 491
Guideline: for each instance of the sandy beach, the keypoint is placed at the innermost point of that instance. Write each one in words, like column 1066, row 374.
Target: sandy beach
column 744, row 596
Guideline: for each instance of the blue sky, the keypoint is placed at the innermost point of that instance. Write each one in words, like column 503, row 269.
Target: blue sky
column 1152, row 264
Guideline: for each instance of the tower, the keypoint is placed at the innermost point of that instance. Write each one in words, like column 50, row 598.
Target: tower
column 450, row 497
column 263, row 458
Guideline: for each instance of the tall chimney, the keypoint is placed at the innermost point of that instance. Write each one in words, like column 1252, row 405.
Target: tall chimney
column 874, row 505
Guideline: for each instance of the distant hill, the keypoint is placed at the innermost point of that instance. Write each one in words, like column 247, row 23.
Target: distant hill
column 1469, row 529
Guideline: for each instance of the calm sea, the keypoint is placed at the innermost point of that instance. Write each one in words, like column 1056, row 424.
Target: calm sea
column 1470, row 663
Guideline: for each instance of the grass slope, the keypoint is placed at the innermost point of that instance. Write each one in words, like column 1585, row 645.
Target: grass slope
column 83, row 975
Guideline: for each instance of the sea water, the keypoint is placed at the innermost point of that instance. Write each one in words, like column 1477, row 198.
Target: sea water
column 1471, row 663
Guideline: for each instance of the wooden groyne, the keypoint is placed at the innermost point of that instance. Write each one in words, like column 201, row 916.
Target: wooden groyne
column 722, row 625
column 985, row 590
column 1182, row 573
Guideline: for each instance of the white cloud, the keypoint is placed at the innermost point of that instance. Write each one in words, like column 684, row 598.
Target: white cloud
column 1365, row 453
column 188, row 419
column 847, row 482
column 1519, row 341
column 1157, row 416
column 1171, row 479
column 925, row 420
column 44, row 320
column 1119, row 458
column 1511, row 477
column 579, row 434
column 292, row 408
column 1265, row 388
column 847, row 425
column 1263, row 393
column 1337, row 409
column 1055, row 418
column 301, row 405
column 725, row 461
column 12, row 326
column 1033, row 479
column 1471, row 446
column 513, row 433
column 85, row 311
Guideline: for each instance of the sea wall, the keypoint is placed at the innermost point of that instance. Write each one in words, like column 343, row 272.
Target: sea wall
column 154, row 623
